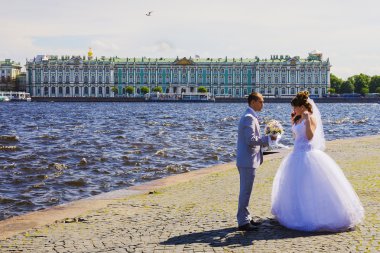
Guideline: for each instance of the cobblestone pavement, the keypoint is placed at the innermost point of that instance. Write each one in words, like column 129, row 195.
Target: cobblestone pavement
column 199, row 216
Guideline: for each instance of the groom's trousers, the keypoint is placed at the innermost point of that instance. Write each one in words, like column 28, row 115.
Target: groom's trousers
column 247, row 176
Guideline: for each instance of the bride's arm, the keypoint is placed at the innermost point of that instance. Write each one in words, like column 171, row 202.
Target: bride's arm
column 311, row 124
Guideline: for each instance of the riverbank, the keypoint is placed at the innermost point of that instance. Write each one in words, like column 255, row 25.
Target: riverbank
column 195, row 212
column 217, row 100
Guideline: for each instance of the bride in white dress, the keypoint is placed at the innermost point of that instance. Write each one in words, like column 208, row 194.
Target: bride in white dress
column 310, row 191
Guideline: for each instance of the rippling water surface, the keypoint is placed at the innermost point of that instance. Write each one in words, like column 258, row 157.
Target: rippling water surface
column 52, row 153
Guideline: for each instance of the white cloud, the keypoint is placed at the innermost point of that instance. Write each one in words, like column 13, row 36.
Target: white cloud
column 345, row 31
column 103, row 45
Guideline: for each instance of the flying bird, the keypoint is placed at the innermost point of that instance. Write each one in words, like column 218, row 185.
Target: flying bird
column 149, row 13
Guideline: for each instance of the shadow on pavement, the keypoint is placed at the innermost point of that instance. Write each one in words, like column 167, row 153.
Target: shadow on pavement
column 268, row 230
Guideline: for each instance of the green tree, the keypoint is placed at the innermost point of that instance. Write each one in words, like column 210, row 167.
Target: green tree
column 347, row 87
column 157, row 89
column 129, row 90
column 335, row 83
column 360, row 81
column 374, row 84
column 202, row 89
column 114, row 89
column 364, row 91
column 377, row 90
column 144, row 90
column 332, row 90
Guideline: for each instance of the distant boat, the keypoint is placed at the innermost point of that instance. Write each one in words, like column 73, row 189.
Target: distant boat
column 4, row 98
column 177, row 97
column 14, row 96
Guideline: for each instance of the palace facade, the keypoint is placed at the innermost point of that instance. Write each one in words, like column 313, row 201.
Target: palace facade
column 75, row 76
column 10, row 71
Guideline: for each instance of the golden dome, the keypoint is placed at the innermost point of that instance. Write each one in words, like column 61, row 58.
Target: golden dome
column 90, row 53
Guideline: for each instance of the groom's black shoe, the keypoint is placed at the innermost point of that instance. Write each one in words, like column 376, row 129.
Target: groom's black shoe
column 256, row 222
column 247, row 227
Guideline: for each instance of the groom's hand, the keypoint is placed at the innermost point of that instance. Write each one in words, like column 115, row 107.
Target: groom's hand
column 273, row 138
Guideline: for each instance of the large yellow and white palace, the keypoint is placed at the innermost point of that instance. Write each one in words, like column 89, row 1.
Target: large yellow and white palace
column 75, row 76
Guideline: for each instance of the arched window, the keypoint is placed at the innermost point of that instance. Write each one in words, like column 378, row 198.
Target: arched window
column 107, row 90
column 85, row 90
column 292, row 90
column 53, row 90
column 283, row 91
column 67, row 90
column 60, row 90
column 46, row 91
column 76, row 90
column 100, row 91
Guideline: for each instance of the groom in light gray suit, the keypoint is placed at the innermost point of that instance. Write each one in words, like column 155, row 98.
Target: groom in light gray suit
column 249, row 157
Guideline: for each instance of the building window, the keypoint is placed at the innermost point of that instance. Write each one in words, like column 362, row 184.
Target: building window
column 107, row 90
column 67, row 90
column 292, row 90
column 76, row 90
column 46, row 91
column 283, row 91
column 93, row 90
column 60, row 90
column 100, row 91
column 53, row 90
column 85, row 90
column 316, row 91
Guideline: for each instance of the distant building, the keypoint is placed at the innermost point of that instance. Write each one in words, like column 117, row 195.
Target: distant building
column 279, row 76
column 9, row 71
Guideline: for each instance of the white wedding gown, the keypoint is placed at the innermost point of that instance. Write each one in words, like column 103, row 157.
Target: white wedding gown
column 310, row 191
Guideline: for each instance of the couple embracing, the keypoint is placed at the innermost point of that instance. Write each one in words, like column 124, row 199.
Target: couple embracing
column 310, row 191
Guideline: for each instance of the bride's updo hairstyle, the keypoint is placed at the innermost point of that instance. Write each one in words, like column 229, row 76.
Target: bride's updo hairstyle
column 301, row 100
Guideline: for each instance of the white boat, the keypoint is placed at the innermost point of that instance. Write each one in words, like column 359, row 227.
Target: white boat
column 6, row 96
column 190, row 97
column 4, row 99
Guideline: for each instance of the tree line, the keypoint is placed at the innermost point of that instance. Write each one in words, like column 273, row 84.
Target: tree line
column 144, row 90
column 361, row 83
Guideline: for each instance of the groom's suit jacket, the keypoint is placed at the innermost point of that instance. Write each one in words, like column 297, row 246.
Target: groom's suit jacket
column 249, row 142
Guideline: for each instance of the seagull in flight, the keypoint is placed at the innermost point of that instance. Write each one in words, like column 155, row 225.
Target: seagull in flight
column 149, row 13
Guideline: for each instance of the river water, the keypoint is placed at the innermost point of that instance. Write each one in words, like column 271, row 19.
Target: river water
column 52, row 153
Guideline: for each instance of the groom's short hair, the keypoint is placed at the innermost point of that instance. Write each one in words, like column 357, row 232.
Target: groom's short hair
column 254, row 96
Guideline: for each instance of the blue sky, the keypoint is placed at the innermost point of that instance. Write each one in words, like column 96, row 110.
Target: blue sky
column 348, row 32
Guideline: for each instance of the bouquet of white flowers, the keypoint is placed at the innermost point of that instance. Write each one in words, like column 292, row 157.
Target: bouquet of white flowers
column 274, row 128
